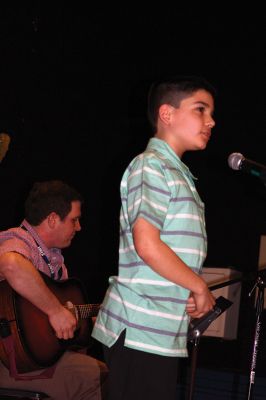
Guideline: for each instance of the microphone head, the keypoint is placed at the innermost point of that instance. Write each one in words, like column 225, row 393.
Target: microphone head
column 235, row 160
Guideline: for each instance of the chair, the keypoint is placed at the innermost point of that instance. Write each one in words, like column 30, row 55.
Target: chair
column 6, row 394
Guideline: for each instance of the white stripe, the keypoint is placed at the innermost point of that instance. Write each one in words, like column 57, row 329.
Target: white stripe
column 123, row 217
column 144, row 310
column 177, row 182
column 153, row 172
column 135, row 204
column 147, row 169
column 149, row 155
column 157, row 348
column 126, row 249
column 154, row 205
column 181, row 216
column 180, row 182
column 107, row 331
column 143, row 281
column 135, row 173
column 189, row 251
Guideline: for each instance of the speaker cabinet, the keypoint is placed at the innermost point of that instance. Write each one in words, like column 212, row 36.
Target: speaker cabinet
column 225, row 326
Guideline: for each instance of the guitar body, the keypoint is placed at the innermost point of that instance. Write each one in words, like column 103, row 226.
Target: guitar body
column 36, row 345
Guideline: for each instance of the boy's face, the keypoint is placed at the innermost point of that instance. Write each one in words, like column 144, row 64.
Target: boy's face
column 189, row 126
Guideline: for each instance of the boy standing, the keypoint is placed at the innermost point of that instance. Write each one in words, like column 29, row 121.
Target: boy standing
column 145, row 314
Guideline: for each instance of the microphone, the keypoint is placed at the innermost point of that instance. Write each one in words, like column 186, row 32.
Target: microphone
column 237, row 161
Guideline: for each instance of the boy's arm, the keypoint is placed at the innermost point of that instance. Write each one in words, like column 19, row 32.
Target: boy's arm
column 166, row 263
column 23, row 277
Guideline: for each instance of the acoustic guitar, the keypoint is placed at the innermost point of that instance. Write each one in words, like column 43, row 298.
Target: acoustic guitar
column 36, row 345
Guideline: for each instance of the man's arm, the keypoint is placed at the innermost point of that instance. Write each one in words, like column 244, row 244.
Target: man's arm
column 166, row 263
column 26, row 281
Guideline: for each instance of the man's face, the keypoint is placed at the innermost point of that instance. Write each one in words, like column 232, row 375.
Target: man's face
column 66, row 229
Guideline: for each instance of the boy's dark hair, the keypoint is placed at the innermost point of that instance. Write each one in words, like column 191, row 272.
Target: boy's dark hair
column 172, row 91
column 47, row 197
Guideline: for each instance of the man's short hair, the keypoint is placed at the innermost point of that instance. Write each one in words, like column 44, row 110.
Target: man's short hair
column 47, row 197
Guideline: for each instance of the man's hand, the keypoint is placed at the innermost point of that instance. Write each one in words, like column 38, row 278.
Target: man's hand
column 26, row 281
column 64, row 323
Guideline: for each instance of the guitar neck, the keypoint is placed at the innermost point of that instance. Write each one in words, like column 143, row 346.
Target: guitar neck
column 87, row 310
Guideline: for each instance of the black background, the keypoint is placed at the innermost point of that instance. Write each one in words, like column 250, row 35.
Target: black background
column 73, row 86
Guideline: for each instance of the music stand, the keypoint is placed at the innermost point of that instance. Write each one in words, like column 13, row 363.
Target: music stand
column 196, row 328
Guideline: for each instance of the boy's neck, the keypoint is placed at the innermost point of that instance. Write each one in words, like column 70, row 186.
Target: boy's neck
column 171, row 142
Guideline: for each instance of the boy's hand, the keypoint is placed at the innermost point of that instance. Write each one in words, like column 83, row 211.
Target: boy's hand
column 199, row 304
column 191, row 305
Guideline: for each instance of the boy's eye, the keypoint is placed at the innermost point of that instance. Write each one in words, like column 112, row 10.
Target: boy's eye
column 201, row 109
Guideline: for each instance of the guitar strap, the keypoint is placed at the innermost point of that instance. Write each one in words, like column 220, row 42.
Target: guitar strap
column 43, row 255
column 8, row 343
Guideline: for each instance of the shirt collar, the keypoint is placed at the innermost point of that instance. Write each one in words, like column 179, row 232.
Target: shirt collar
column 39, row 241
column 54, row 254
column 163, row 148
column 35, row 235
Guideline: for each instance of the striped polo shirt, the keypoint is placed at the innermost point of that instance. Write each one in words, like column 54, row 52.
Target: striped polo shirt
column 158, row 187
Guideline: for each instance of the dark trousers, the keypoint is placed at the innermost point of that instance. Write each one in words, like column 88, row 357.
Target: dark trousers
column 137, row 375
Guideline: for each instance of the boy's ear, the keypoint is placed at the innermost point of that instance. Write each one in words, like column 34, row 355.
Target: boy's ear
column 165, row 112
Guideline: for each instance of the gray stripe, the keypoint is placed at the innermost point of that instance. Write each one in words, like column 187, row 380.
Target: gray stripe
column 188, row 198
column 133, row 264
column 142, row 327
column 183, row 170
column 184, row 233
column 150, row 217
column 161, row 298
column 180, row 199
column 153, row 188
column 124, row 232
column 165, row 166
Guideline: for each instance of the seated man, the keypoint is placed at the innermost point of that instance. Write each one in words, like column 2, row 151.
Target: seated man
column 52, row 213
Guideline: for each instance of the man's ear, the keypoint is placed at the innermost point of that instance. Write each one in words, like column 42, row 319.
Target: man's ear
column 52, row 219
column 165, row 112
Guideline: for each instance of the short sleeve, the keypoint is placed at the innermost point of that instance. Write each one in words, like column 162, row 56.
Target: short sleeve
column 148, row 194
column 15, row 245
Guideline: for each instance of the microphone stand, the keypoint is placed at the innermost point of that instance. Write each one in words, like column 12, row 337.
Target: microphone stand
column 260, row 285
column 194, row 357
column 199, row 325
